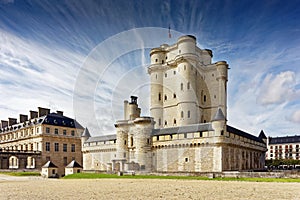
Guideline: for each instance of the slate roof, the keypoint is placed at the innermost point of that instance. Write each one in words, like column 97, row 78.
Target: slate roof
column 284, row 140
column 73, row 164
column 183, row 129
column 262, row 135
column 102, row 138
column 49, row 164
column 236, row 131
column 86, row 133
column 58, row 120
column 219, row 115
column 51, row 119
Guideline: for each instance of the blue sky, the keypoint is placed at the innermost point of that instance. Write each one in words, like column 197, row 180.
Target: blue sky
column 86, row 57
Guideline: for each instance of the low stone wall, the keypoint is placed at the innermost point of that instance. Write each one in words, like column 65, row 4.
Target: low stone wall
column 236, row 174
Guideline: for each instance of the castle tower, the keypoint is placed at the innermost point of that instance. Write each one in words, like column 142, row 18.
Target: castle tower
column 222, row 78
column 124, row 133
column 85, row 136
column 142, row 130
column 186, row 88
column 156, row 71
column 187, row 103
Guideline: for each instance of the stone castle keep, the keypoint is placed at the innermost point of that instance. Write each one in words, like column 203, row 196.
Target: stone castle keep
column 187, row 130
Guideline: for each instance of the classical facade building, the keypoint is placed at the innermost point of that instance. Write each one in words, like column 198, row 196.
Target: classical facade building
column 30, row 143
column 287, row 147
column 187, row 130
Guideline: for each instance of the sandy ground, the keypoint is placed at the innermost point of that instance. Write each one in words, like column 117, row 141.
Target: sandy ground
column 39, row 188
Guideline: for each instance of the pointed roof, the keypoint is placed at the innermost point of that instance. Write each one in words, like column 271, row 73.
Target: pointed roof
column 262, row 135
column 73, row 164
column 49, row 164
column 219, row 116
column 86, row 133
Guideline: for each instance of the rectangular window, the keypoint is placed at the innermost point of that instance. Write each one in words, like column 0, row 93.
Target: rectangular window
column 47, row 146
column 56, row 131
column 72, row 133
column 48, row 158
column 56, row 147
column 65, row 147
column 73, row 148
column 64, row 132
column 47, row 130
column 37, row 130
column 65, row 161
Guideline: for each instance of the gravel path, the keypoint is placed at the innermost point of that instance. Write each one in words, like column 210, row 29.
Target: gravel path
column 39, row 188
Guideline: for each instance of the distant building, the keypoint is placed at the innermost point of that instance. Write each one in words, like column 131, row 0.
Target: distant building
column 187, row 130
column 286, row 147
column 30, row 143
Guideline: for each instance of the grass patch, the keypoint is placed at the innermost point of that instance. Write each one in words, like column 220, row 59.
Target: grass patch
column 100, row 176
column 21, row 173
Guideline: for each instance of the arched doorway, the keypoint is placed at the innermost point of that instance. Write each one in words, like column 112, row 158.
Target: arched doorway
column 13, row 162
column 30, row 162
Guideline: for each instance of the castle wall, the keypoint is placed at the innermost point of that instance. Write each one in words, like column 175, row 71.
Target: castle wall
column 98, row 157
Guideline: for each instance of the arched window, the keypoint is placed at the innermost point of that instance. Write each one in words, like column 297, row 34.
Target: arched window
column 156, row 60
column 174, row 121
column 204, row 98
column 181, row 114
column 159, row 96
column 166, row 123
column 166, row 98
column 181, row 86
column 189, row 114
column 174, row 95
column 188, row 85
column 159, row 121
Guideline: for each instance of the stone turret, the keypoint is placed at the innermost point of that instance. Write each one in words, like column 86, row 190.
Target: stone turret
column 131, row 110
column 222, row 78
column 142, row 131
column 85, row 136
column 219, row 122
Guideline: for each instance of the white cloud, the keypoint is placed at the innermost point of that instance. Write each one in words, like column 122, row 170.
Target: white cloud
column 277, row 88
column 296, row 117
column 35, row 75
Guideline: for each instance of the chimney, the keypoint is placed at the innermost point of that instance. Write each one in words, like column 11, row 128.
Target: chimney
column 61, row 113
column 4, row 123
column 12, row 121
column 43, row 111
column 23, row 118
column 33, row 114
